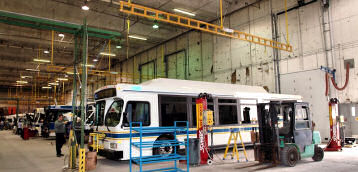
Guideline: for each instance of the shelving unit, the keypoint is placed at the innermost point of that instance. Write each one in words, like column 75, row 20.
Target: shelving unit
column 140, row 132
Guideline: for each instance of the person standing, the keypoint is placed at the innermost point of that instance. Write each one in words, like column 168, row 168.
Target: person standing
column 60, row 134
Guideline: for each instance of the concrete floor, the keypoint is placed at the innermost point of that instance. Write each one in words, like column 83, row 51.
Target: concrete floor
column 37, row 155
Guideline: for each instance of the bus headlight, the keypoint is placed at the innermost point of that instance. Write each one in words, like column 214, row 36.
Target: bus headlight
column 113, row 145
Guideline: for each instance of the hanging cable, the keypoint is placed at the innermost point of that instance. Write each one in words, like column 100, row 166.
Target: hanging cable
column 52, row 38
column 334, row 82
column 347, row 80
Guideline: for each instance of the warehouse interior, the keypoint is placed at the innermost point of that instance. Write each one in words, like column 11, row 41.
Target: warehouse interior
column 65, row 52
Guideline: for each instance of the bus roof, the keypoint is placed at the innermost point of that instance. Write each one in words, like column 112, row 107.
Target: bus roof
column 193, row 88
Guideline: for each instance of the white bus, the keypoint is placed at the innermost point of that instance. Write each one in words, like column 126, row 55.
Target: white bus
column 160, row 102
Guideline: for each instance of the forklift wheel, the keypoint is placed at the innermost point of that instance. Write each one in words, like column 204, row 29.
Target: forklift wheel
column 318, row 153
column 289, row 156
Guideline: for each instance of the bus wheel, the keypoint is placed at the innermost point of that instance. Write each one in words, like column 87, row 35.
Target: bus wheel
column 164, row 149
column 289, row 156
column 318, row 153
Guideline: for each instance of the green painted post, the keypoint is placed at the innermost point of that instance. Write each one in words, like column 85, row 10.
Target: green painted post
column 84, row 80
column 74, row 105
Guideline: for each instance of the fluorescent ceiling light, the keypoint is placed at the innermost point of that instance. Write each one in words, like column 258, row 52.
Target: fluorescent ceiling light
column 115, row 73
column 95, row 60
column 57, row 81
column 71, row 73
column 22, row 82
column 53, row 83
column 61, row 35
column 23, row 77
column 118, row 46
column 137, row 37
column 107, row 54
column 33, row 70
column 184, row 12
column 46, row 51
column 62, row 79
column 85, row 7
column 18, row 85
column 42, row 60
column 46, row 87
column 155, row 26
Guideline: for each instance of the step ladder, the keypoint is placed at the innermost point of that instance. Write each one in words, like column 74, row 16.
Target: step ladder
column 234, row 134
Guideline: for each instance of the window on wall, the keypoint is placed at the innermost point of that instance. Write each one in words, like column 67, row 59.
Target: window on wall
column 173, row 108
column 227, row 111
column 248, row 114
column 138, row 111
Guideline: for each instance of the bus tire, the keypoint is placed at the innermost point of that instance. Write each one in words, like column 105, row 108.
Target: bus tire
column 289, row 156
column 165, row 148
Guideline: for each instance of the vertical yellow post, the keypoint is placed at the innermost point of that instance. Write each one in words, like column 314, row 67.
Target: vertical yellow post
column 54, row 93
column 221, row 14
column 82, row 157
column 52, row 38
column 286, row 18
column 63, row 92
column 109, row 55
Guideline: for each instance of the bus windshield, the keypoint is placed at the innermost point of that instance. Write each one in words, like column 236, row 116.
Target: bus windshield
column 114, row 113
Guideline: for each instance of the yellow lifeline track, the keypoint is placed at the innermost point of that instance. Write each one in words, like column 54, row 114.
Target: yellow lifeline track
column 138, row 10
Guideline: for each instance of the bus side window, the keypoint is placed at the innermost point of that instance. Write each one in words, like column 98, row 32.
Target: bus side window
column 227, row 111
column 138, row 112
column 248, row 114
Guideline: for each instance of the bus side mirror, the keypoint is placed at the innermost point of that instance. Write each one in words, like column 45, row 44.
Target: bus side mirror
column 125, row 122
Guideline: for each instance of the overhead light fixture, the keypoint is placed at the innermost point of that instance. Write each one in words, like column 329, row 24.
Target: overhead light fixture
column 18, row 85
column 33, row 70
column 22, row 82
column 89, row 65
column 95, row 60
column 46, row 87
column 61, row 35
column 53, row 83
column 23, row 77
column 137, row 37
column 118, row 46
column 62, row 79
column 57, row 81
column 85, row 6
column 107, row 54
column 115, row 73
column 46, row 51
column 155, row 25
column 71, row 73
column 42, row 60
column 184, row 12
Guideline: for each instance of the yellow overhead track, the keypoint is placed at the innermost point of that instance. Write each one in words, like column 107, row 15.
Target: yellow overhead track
column 158, row 15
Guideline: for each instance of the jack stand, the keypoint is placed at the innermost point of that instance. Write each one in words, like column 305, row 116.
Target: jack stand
column 334, row 143
column 204, row 119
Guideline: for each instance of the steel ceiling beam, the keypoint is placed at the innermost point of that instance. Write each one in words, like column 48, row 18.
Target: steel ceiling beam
column 49, row 24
